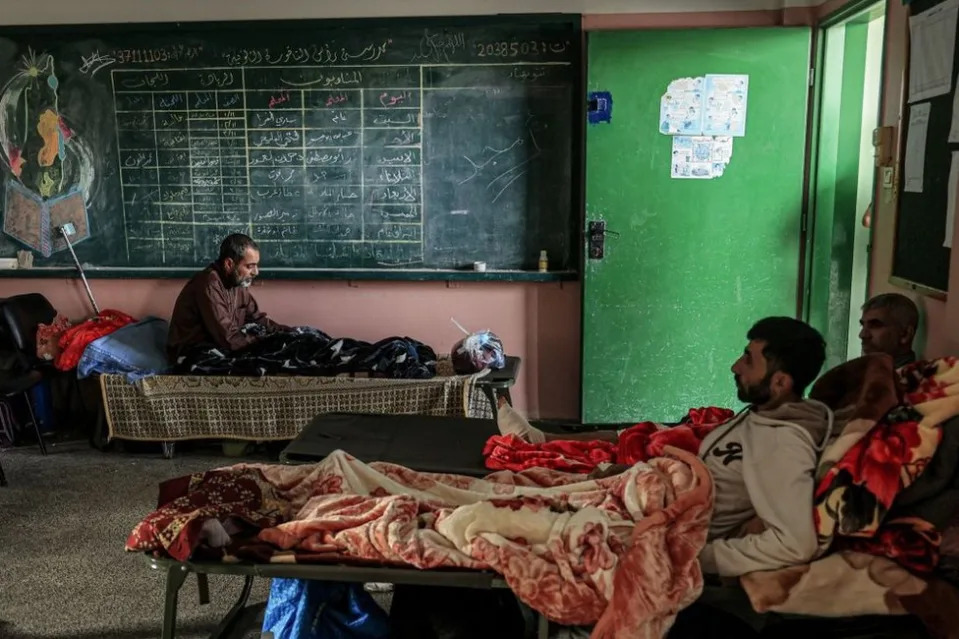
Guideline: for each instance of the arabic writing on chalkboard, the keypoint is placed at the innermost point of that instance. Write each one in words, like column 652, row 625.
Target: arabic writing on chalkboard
column 389, row 147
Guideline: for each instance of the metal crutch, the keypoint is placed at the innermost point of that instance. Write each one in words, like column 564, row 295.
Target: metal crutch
column 66, row 230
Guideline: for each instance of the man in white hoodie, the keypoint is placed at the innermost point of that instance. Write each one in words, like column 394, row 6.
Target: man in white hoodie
column 762, row 461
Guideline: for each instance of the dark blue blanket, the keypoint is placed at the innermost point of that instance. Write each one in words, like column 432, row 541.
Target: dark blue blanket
column 304, row 351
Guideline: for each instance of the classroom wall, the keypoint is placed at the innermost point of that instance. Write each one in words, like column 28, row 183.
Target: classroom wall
column 941, row 318
column 539, row 322
column 98, row 11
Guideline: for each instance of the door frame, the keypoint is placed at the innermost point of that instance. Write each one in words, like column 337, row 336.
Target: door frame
column 832, row 66
column 818, row 56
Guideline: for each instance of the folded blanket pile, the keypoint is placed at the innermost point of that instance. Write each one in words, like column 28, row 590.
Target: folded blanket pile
column 65, row 344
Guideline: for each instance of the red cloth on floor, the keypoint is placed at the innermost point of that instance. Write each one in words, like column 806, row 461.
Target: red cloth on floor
column 637, row 443
column 75, row 340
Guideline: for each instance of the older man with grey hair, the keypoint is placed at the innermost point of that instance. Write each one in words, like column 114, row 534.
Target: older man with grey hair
column 889, row 322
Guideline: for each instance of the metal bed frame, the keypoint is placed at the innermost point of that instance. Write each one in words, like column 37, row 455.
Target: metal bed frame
column 178, row 571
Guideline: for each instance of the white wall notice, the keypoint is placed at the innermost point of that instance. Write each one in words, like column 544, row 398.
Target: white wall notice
column 703, row 115
column 932, row 42
column 952, row 192
column 954, row 127
column 915, row 160
column 710, row 105
column 681, row 107
column 726, row 97
column 700, row 157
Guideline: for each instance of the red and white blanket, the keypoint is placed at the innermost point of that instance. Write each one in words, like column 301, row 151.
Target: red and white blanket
column 890, row 425
column 618, row 552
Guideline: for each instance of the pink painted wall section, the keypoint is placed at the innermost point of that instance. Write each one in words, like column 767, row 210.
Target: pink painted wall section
column 538, row 322
column 828, row 7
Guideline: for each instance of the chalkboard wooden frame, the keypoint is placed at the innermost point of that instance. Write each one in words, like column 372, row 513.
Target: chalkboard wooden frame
column 920, row 262
column 570, row 264
column 386, row 275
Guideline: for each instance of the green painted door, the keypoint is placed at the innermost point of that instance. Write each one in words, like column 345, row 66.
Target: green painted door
column 689, row 263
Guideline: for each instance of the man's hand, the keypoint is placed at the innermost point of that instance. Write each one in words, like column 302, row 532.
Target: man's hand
column 253, row 329
column 609, row 471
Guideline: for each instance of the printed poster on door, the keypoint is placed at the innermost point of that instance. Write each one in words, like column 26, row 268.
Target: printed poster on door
column 703, row 115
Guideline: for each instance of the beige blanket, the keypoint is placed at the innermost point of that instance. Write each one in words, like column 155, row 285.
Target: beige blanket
column 182, row 407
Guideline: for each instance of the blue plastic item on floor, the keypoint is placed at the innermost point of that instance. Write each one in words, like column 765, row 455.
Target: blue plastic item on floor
column 42, row 400
column 305, row 609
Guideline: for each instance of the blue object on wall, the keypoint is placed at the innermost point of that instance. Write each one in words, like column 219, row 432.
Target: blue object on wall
column 599, row 107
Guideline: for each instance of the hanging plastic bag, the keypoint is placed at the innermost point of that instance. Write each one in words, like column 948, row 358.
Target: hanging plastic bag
column 477, row 352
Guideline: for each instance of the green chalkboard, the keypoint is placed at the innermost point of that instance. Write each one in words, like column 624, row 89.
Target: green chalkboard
column 399, row 147
column 689, row 264
column 919, row 257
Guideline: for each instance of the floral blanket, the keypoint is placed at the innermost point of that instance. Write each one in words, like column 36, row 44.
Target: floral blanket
column 890, row 424
column 618, row 552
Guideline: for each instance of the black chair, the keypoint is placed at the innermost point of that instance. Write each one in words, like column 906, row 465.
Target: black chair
column 20, row 316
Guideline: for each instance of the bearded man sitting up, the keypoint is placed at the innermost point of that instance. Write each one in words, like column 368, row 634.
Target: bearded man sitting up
column 216, row 308
column 217, row 328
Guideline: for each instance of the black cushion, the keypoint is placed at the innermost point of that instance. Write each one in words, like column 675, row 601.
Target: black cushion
column 422, row 442
column 21, row 315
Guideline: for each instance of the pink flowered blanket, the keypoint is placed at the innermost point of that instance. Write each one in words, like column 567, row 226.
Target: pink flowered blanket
column 618, row 552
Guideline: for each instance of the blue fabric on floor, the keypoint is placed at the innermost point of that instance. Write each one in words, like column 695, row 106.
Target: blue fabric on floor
column 309, row 609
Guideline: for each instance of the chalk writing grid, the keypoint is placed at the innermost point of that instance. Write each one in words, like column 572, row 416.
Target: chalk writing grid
column 295, row 164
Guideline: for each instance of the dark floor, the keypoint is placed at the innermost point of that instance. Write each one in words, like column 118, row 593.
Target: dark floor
column 64, row 573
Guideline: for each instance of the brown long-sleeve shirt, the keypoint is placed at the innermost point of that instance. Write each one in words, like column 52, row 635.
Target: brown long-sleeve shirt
column 209, row 312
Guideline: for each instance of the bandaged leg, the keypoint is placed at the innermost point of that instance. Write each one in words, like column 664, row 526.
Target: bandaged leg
column 512, row 423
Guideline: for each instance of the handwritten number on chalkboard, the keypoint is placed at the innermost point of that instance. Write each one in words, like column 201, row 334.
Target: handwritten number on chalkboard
column 514, row 48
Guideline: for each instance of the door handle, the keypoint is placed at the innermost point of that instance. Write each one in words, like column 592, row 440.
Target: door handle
column 597, row 239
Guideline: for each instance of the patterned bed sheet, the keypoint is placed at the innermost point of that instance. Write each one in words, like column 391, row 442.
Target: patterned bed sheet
column 182, row 407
